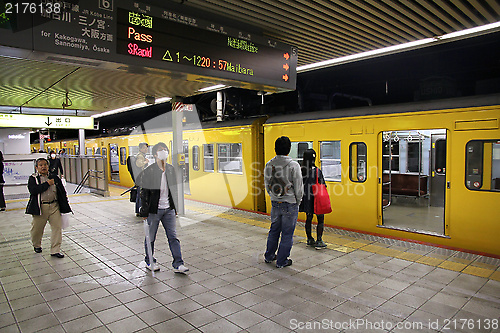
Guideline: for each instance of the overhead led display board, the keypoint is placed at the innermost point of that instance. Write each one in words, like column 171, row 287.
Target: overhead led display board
column 38, row 121
column 142, row 35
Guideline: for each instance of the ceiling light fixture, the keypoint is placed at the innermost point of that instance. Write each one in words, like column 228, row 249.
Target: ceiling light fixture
column 212, row 88
column 457, row 35
column 131, row 107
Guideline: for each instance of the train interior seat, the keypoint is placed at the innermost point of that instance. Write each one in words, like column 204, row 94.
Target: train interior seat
column 406, row 184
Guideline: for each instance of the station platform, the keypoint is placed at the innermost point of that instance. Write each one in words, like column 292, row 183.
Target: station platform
column 360, row 283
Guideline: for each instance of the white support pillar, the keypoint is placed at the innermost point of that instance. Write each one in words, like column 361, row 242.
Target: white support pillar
column 81, row 141
column 220, row 106
column 178, row 152
column 42, row 141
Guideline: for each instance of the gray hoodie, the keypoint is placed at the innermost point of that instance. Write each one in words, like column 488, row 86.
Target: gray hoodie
column 290, row 171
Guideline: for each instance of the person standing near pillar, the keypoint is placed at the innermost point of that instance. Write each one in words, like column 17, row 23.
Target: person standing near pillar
column 2, row 182
column 48, row 199
column 159, row 204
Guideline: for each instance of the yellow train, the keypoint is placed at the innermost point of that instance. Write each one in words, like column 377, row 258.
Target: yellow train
column 427, row 172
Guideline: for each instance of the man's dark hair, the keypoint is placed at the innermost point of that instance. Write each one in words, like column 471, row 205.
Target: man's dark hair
column 41, row 159
column 157, row 146
column 142, row 144
column 282, row 145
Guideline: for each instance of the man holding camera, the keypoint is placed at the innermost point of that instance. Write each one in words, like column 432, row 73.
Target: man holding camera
column 48, row 199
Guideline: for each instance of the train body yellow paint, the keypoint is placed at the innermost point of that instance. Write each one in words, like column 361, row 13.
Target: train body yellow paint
column 465, row 216
column 427, row 172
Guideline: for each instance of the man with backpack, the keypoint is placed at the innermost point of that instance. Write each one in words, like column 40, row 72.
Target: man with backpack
column 136, row 164
column 283, row 181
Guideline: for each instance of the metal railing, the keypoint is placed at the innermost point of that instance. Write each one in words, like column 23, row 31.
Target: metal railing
column 87, row 171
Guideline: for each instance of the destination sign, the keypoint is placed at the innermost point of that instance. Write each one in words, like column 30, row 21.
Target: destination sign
column 39, row 121
column 178, row 45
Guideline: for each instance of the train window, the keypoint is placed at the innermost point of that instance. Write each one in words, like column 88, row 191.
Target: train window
column 482, row 170
column 196, row 158
column 98, row 151
column 123, row 155
column 330, row 160
column 229, row 158
column 133, row 150
column 357, row 162
column 440, row 165
column 391, row 139
column 89, row 151
column 297, row 150
column 208, row 157
column 414, row 156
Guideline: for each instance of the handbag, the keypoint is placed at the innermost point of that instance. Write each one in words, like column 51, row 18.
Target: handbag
column 322, row 203
column 65, row 220
column 133, row 194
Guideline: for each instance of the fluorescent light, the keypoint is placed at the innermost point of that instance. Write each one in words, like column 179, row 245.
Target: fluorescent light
column 488, row 28
column 163, row 100
column 16, row 136
column 131, row 107
column 471, row 31
column 216, row 87
column 364, row 55
column 127, row 108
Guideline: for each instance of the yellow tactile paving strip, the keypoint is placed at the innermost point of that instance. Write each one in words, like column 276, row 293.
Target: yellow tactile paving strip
column 348, row 244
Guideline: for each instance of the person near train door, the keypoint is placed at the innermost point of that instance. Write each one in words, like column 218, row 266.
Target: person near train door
column 48, row 200
column 309, row 175
column 141, row 162
column 283, row 182
column 2, row 182
column 159, row 204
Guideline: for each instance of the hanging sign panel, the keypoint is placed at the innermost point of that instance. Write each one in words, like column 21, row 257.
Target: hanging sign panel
column 38, row 121
column 159, row 41
column 139, row 34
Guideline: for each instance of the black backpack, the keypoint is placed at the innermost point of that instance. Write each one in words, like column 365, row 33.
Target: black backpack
column 132, row 167
column 278, row 185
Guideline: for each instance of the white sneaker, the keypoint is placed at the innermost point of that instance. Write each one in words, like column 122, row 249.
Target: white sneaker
column 181, row 269
column 153, row 267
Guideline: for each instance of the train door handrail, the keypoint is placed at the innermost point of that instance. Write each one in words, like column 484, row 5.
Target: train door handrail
column 389, row 201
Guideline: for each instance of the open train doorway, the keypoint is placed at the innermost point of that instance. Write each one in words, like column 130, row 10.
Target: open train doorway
column 413, row 180
column 114, row 162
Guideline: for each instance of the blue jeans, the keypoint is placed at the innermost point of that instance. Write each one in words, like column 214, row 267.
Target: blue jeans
column 167, row 218
column 138, row 200
column 283, row 221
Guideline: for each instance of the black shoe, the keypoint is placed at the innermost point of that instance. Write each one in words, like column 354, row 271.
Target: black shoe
column 57, row 255
column 38, row 249
column 269, row 261
column 288, row 262
column 311, row 242
column 2, row 209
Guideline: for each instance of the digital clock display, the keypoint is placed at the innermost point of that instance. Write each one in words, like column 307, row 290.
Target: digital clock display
column 186, row 48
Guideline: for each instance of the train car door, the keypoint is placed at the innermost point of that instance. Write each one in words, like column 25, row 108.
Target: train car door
column 114, row 162
column 438, row 170
column 185, row 167
column 412, row 200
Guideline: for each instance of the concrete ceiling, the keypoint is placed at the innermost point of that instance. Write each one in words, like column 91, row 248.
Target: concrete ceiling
column 320, row 30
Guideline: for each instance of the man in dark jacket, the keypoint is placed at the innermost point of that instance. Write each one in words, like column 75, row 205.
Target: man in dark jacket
column 158, row 203
column 55, row 166
column 48, row 200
